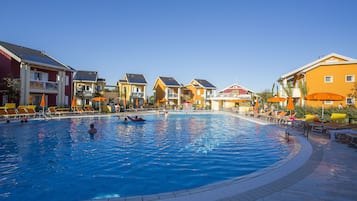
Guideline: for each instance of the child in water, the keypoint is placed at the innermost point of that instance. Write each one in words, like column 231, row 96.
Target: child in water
column 92, row 130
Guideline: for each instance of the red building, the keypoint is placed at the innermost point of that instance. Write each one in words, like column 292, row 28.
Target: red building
column 31, row 73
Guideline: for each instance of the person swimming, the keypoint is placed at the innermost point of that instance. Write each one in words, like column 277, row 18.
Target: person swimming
column 92, row 130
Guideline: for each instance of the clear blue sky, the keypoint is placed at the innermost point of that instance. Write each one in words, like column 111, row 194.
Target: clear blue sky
column 248, row 42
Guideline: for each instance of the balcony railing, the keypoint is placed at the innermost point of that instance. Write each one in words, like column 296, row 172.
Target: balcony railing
column 137, row 94
column 43, row 86
column 87, row 93
column 172, row 95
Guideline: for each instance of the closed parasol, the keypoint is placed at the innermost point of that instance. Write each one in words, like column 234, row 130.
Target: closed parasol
column 290, row 105
column 43, row 103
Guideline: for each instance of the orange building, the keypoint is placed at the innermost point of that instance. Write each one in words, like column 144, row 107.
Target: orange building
column 333, row 73
column 167, row 91
column 199, row 92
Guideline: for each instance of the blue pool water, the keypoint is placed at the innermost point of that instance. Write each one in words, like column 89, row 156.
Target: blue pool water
column 58, row 160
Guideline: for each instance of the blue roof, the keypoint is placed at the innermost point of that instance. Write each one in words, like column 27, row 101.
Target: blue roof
column 170, row 81
column 205, row 83
column 32, row 55
column 136, row 78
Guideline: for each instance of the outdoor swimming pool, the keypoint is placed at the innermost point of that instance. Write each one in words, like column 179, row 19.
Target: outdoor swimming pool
column 58, row 160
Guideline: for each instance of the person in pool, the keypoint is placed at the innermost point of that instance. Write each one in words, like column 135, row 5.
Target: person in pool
column 92, row 130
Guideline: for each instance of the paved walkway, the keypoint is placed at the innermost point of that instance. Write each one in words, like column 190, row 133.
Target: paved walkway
column 333, row 176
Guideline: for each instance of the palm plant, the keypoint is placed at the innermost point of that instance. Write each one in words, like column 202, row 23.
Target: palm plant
column 303, row 91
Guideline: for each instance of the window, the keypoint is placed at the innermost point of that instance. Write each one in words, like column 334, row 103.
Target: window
column 328, row 102
column 67, row 80
column 350, row 78
column 198, row 92
column 66, row 100
column 328, row 79
column 350, row 101
column 37, row 76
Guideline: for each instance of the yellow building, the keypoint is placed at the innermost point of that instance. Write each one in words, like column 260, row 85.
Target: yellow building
column 132, row 90
column 167, row 91
column 333, row 73
column 86, row 86
column 199, row 92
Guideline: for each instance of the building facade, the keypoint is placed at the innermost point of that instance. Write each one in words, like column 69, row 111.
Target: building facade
column 167, row 91
column 33, row 73
column 86, row 86
column 333, row 73
column 233, row 97
column 132, row 90
column 199, row 92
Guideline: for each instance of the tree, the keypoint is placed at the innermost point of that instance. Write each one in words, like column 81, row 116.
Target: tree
column 265, row 95
column 12, row 87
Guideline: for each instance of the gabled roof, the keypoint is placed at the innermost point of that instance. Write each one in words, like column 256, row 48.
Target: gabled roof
column 135, row 78
column 169, row 81
column 233, row 87
column 31, row 56
column 91, row 76
column 315, row 63
column 204, row 83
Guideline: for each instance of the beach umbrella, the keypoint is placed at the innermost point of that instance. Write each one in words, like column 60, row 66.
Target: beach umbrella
column 239, row 101
column 74, row 102
column 276, row 99
column 290, row 105
column 99, row 99
column 43, row 103
column 256, row 106
column 324, row 96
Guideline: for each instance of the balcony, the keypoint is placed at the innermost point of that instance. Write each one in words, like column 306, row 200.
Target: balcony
column 172, row 96
column 87, row 93
column 40, row 86
column 137, row 95
column 296, row 92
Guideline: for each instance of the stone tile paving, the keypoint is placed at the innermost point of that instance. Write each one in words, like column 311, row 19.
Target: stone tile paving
column 334, row 177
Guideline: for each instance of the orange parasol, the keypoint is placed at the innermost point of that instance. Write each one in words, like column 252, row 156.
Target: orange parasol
column 164, row 100
column 276, row 99
column 240, row 100
column 256, row 106
column 43, row 103
column 99, row 99
column 290, row 105
column 74, row 102
column 324, row 96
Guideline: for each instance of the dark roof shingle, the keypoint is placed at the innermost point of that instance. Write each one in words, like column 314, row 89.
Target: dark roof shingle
column 135, row 78
column 205, row 83
column 86, row 76
column 170, row 81
column 32, row 56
